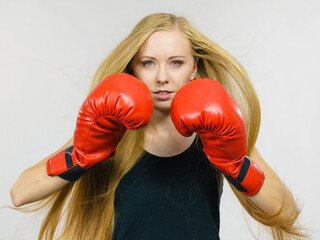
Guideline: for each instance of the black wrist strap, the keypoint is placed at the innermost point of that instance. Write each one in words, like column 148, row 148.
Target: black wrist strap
column 74, row 172
column 242, row 174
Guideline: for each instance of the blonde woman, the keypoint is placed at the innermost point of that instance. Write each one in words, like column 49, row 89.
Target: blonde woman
column 169, row 115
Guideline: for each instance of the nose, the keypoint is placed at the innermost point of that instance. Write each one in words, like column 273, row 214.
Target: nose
column 162, row 75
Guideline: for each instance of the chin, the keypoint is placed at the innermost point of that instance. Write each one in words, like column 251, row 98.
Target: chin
column 162, row 105
column 162, row 108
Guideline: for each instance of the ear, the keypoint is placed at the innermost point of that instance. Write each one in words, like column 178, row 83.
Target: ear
column 195, row 69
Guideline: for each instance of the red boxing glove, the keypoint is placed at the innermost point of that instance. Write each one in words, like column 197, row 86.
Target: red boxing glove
column 118, row 103
column 205, row 107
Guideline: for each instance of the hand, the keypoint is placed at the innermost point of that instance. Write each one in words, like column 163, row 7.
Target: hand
column 205, row 107
column 118, row 103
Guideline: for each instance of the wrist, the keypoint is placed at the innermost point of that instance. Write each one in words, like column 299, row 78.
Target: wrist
column 65, row 166
column 250, row 178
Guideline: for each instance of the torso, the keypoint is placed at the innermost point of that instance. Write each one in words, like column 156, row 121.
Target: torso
column 175, row 197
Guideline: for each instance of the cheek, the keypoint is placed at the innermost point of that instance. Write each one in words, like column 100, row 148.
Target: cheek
column 186, row 74
column 144, row 78
column 135, row 72
column 138, row 74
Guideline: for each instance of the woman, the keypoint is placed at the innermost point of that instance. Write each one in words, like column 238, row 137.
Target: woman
column 148, row 174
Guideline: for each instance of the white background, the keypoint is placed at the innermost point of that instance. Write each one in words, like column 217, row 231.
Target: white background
column 49, row 50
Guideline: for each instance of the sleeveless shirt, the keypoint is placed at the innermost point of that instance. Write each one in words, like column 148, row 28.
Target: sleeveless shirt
column 164, row 198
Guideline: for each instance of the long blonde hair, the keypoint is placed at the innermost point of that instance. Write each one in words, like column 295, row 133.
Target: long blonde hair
column 85, row 209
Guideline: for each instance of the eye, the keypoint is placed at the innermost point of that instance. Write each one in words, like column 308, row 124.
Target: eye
column 147, row 63
column 176, row 63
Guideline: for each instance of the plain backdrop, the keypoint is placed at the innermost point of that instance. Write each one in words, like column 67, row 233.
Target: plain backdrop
column 49, row 51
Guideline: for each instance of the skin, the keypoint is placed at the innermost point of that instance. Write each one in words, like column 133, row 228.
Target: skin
column 34, row 184
column 164, row 63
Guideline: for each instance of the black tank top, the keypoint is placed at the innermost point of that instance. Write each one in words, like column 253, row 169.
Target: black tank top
column 164, row 198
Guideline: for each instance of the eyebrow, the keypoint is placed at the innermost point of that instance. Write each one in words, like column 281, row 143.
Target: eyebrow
column 150, row 57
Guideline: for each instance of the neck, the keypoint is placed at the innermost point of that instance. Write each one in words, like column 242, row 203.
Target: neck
column 162, row 137
column 161, row 123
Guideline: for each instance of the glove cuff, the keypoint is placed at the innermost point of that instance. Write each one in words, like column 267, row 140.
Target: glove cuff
column 64, row 166
column 250, row 178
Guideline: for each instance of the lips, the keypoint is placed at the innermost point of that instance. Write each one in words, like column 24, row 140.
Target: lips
column 163, row 94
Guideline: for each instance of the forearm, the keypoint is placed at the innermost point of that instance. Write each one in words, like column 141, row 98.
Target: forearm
column 273, row 194
column 34, row 184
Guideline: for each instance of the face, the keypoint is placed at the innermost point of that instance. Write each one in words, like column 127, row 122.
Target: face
column 164, row 63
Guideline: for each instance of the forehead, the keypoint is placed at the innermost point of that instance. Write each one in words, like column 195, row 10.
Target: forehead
column 166, row 42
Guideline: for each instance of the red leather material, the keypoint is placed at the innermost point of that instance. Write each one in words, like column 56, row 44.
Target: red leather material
column 57, row 163
column 253, row 180
column 118, row 103
column 205, row 107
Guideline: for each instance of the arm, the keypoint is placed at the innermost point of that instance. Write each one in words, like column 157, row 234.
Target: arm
column 273, row 193
column 34, row 184
column 219, row 122
column 119, row 102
